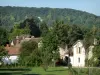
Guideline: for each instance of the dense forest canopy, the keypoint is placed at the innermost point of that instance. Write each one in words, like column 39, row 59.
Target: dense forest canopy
column 9, row 16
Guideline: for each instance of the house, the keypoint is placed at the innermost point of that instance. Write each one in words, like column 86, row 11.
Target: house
column 78, row 58
column 14, row 48
column 77, row 54
column 13, row 53
column 63, row 51
column 20, row 39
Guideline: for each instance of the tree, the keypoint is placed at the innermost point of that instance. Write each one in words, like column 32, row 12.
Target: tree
column 49, row 49
column 28, row 26
column 3, row 53
column 32, row 25
column 95, row 60
column 59, row 35
column 67, row 34
column 3, row 36
column 16, row 31
column 75, row 33
column 89, row 37
column 44, row 29
column 29, row 55
column 11, row 15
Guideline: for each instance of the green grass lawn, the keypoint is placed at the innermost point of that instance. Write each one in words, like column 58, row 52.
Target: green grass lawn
column 65, row 71
column 50, row 71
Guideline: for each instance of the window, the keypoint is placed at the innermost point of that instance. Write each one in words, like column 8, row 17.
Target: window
column 79, row 50
column 78, row 60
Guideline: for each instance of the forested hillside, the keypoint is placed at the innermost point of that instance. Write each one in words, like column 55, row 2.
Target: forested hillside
column 9, row 16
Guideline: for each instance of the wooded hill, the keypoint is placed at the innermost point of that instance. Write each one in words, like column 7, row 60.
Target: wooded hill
column 9, row 16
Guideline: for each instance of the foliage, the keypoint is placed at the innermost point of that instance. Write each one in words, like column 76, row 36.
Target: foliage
column 3, row 36
column 96, row 56
column 59, row 35
column 28, row 26
column 49, row 49
column 89, row 37
column 17, row 32
column 88, row 40
column 3, row 52
column 44, row 29
column 67, row 34
column 30, row 55
column 11, row 15
column 32, row 24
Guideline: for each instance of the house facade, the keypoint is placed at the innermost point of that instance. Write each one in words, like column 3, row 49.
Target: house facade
column 77, row 59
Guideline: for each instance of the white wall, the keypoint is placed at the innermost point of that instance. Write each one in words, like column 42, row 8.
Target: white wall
column 62, row 52
column 76, row 55
column 10, row 59
column 90, row 52
column 75, row 58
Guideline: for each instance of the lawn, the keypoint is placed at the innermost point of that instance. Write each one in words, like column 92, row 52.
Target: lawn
column 65, row 71
column 50, row 71
column 34, row 71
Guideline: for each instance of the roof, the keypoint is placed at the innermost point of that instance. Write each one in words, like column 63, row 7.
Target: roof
column 13, row 50
column 77, row 42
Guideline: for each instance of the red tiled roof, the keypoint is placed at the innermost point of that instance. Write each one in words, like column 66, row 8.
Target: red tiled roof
column 13, row 50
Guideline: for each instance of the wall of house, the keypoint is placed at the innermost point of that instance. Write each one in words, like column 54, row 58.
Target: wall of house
column 62, row 52
column 10, row 59
column 78, row 58
column 90, row 52
column 71, row 60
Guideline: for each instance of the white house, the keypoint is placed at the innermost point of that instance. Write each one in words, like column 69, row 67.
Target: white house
column 78, row 58
column 63, row 52
column 78, row 54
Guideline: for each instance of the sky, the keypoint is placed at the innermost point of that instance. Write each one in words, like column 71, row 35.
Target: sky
column 91, row 6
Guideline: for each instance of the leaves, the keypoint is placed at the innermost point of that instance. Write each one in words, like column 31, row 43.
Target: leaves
column 3, row 36
column 30, row 55
column 3, row 52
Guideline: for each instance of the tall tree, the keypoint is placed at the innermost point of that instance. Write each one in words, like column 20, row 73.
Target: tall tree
column 49, row 49
column 3, row 53
column 33, row 26
column 3, row 36
column 44, row 28
column 16, row 31
column 30, row 55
